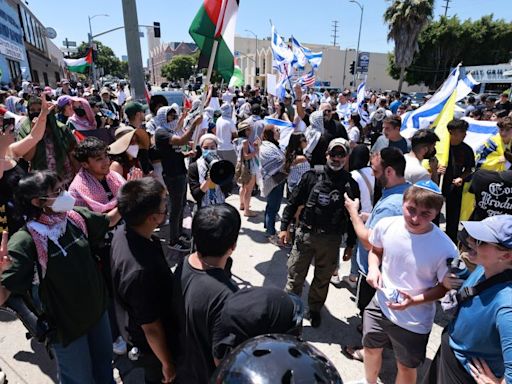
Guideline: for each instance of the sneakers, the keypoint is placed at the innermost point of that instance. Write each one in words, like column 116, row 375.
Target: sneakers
column 119, row 346
column 349, row 280
column 2, row 378
column 314, row 318
column 180, row 246
column 274, row 239
column 335, row 280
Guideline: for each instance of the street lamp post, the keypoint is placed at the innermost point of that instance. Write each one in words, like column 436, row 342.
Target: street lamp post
column 358, row 38
column 93, row 67
column 255, row 55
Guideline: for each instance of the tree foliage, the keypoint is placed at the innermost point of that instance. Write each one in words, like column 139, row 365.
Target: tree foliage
column 105, row 58
column 406, row 19
column 445, row 43
column 180, row 67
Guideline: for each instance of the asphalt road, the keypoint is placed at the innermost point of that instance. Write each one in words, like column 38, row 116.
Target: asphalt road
column 256, row 263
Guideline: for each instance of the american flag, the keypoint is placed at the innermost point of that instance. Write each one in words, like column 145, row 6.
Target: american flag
column 308, row 79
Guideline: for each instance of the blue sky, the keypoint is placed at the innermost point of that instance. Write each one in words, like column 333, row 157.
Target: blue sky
column 308, row 21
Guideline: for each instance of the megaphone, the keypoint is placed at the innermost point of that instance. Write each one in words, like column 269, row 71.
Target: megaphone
column 221, row 171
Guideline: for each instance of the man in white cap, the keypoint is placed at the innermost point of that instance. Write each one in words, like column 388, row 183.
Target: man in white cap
column 323, row 222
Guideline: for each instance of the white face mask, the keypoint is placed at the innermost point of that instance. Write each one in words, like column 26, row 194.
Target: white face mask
column 133, row 150
column 63, row 203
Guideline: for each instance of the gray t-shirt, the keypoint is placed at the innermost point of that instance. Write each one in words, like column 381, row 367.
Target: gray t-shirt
column 383, row 142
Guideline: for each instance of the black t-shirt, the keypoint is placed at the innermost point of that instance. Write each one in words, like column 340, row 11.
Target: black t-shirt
column 506, row 106
column 204, row 294
column 335, row 129
column 173, row 161
column 493, row 193
column 461, row 158
column 9, row 218
column 144, row 284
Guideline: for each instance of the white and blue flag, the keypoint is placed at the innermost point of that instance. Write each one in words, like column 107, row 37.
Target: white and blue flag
column 361, row 92
column 281, row 53
column 465, row 86
column 304, row 55
column 425, row 115
column 479, row 132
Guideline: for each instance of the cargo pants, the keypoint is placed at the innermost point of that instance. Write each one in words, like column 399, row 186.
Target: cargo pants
column 324, row 249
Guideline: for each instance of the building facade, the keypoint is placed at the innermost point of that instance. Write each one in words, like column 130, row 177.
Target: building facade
column 334, row 70
column 163, row 54
column 14, row 65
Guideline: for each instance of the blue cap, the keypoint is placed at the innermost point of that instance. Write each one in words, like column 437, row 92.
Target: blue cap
column 429, row 185
column 494, row 229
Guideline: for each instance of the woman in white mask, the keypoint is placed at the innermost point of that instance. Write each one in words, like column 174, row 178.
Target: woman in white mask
column 204, row 191
column 123, row 152
column 50, row 260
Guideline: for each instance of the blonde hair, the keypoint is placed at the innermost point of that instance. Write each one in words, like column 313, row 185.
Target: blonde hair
column 424, row 198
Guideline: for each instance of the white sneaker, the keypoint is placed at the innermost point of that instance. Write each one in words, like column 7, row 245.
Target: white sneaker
column 335, row 280
column 119, row 346
column 2, row 377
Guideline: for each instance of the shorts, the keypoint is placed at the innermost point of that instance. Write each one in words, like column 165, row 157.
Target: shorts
column 410, row 348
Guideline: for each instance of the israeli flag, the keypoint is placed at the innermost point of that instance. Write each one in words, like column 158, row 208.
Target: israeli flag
column 361, row 91
column 479, row 132
column 281, row 54
column 465, row 86
column 285, row 130
column 304, row 55
column 425, row 115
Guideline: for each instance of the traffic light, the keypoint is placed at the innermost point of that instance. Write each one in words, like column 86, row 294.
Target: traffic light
column 156, row 28
column 352, row 67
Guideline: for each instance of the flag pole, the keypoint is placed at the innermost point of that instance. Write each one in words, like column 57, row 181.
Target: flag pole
column 209, row 72
column 286, row 71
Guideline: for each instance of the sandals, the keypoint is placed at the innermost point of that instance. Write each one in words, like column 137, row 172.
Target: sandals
column 353, row 353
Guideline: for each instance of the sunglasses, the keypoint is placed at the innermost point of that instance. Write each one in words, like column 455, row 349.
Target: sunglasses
column 337, row 154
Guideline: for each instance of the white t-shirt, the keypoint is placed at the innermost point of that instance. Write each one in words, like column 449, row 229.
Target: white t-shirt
column 224, row 130
column 366, row 194
column 414, row 171
column 354, row 134
column 411, row 263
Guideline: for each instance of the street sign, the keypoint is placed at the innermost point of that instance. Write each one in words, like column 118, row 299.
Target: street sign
column 69, row 43
column 363, row 62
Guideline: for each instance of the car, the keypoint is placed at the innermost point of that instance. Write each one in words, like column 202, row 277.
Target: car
column 172, row 97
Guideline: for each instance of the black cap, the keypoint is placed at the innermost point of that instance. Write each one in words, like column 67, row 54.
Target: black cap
column 255, row 311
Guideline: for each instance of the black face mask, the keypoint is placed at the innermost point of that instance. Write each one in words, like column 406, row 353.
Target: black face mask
column 33, row 115
column 80, row 112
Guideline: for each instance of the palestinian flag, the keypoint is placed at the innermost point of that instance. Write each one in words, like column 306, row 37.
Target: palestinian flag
column 79, row 65
column 237, row 80
column 216, row 20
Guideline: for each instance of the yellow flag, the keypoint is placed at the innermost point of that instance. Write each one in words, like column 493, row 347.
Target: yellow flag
column 441, row 130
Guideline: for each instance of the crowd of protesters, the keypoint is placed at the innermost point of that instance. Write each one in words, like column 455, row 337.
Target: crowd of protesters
column 88, row 177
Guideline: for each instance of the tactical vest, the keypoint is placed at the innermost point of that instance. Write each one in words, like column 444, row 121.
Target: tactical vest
column 325, row 207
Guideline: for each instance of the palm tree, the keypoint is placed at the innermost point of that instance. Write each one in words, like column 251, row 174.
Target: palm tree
column 406, row 19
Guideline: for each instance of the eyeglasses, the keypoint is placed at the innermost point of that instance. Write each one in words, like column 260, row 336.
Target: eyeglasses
column 59, row 191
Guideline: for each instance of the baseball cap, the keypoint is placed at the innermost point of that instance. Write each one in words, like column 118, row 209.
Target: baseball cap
column 495, row 229
column 64, row 81
column 339, row 142
column 132, row 108
column 429, row 185
column 64, row 100
column 124, row 135
column 105, row 90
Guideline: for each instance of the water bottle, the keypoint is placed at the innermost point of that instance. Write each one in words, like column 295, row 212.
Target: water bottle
column 134, row 354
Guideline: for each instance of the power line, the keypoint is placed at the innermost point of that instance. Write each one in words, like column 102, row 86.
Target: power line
column 446, row 7
column 334, row 32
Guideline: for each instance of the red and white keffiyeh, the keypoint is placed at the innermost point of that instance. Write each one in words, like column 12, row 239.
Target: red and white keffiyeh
column 52, row 227
column 89, row 192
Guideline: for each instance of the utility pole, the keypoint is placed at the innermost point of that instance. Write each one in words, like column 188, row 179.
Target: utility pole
column 446, row 7
column 131, row 30
column 334, row 32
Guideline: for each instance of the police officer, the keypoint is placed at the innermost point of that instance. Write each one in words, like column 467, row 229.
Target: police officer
column 323, row 222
